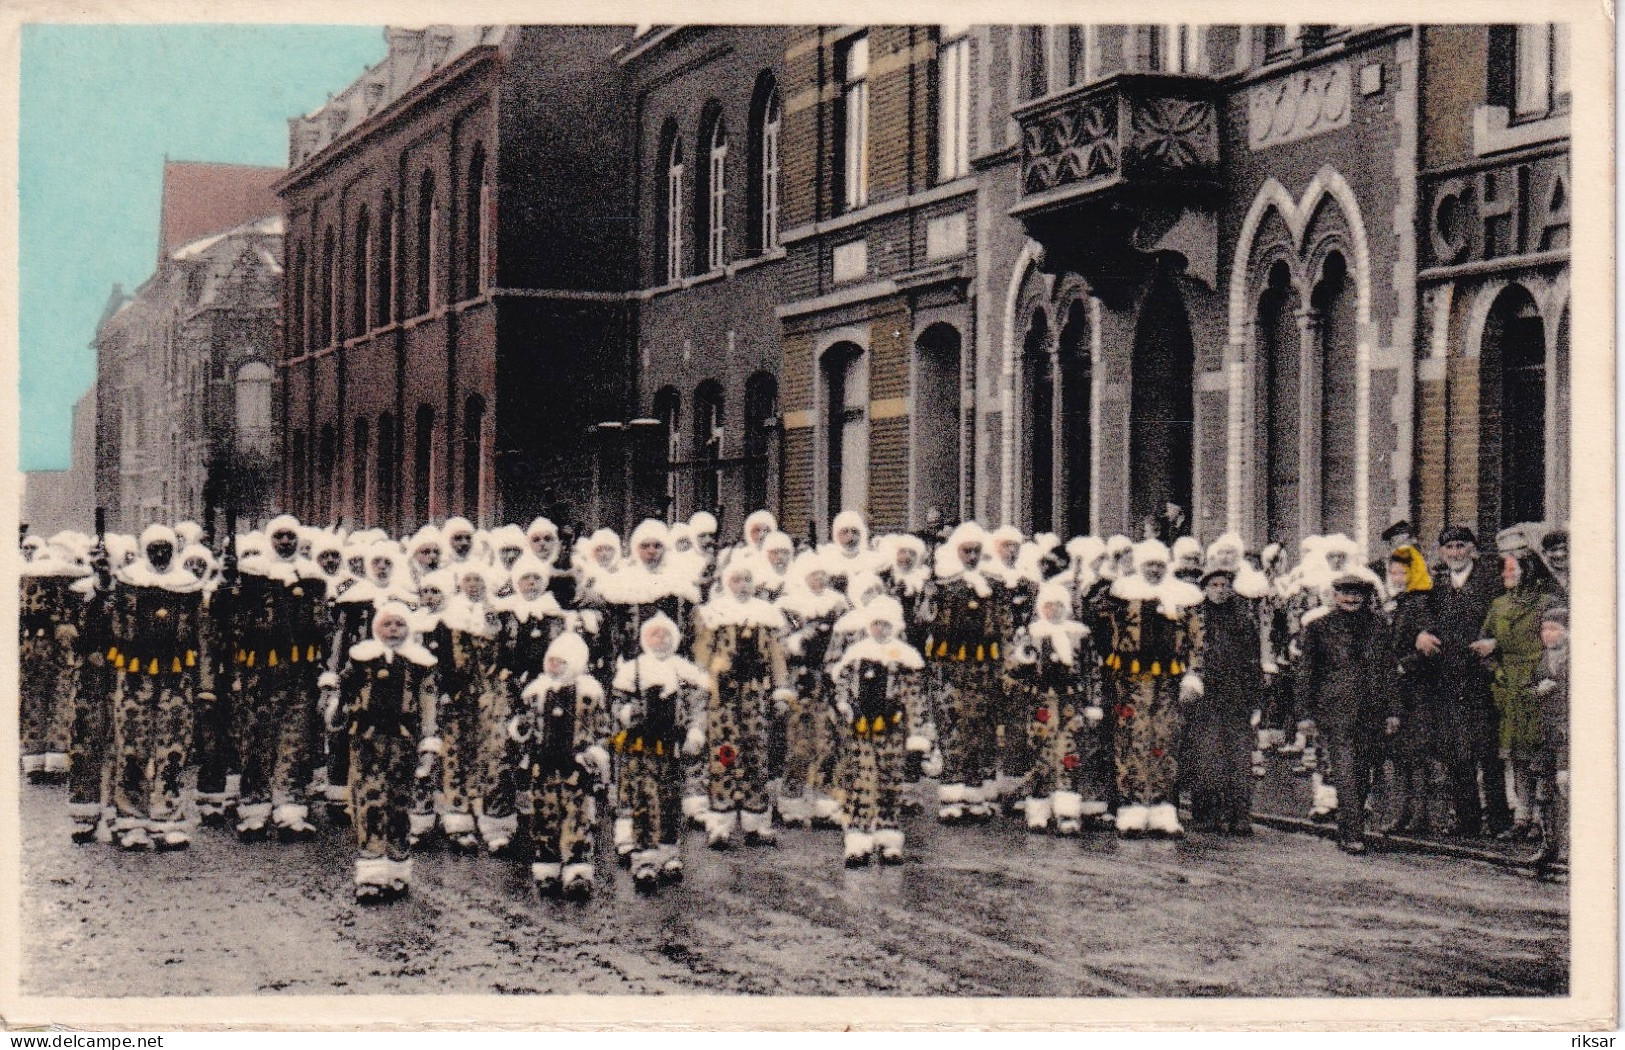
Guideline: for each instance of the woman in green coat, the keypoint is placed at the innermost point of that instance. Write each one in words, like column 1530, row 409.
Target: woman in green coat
column 1510, row 641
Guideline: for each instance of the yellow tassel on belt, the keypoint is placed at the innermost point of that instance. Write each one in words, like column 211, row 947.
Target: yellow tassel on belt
column 995, row 650
column 154, row 668
column 175, row 666
column 270, row 660
column 191, row 658
column 863, row 726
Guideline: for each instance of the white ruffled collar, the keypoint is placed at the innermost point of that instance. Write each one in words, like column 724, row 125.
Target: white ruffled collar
column 373, row 649
column 893, row 653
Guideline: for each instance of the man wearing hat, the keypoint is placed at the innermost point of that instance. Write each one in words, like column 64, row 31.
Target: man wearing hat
column 1346, row 683
column 1459, row 681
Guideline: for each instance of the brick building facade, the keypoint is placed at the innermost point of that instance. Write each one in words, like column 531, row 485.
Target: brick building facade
column 709, row 106
column 1292, row 279
column 459, row 246
column 1492, row 363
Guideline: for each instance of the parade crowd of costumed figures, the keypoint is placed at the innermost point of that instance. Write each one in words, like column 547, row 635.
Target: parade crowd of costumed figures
column 492, row 691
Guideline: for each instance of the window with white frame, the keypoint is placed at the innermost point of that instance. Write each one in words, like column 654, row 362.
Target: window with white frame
column 953, row 103
column 770, row 172
column 854, row 74
column 1540, row 70
column 716, row 249
column 674, row 211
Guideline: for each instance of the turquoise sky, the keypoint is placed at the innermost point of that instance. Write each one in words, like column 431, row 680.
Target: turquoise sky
column 101, row 107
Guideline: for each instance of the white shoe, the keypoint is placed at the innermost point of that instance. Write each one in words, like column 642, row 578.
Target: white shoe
column 890, row 843
column 1163, row 819
column 950, row 803
column 719, row 829
column 1068, row 806
column 758, row 828
column 825, row 811
column 859, row 844
column 1037, row 811
column 1132, row 821
column 498, row 831
column 694, row 809
column 794, row 812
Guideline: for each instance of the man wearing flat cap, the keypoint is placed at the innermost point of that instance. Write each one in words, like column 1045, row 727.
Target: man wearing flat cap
column 1458, row 682
column 1346, row 679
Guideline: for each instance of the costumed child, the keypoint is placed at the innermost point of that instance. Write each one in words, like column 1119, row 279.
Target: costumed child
column 563, row 728
column 876, row 680
column 384, row 692
column 658, row 699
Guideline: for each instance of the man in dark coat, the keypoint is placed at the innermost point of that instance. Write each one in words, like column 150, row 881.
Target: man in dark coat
column 1220, row 699
column 1459, row 681
column 1346, row 680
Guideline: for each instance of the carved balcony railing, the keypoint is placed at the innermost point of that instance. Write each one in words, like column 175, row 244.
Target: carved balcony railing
column 1100, row 158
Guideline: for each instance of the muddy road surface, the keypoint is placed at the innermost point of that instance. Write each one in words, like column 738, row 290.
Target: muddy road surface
column 975, row 911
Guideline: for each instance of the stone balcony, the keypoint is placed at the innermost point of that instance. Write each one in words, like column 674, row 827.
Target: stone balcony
column 1106, row 165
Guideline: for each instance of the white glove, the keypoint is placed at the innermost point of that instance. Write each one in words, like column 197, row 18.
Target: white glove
column 591, row 620
column 695, row 744
column 844, row 709
column 623, row 714
column 1258, row 716
column 328, row 680
column 431, row 745
column 594, row 760
column 1190, row 686
column 918, row 742
column 1093, row 714
column 518, row 730
column 330, row 708
column 1545, row 687
column 1270, row 667
column 782, row 699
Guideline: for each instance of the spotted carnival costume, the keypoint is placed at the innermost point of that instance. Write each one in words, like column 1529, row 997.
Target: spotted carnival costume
column 280, row 614
column 384, row 692
column 811, row 608
column 737, row 643
column 877, row 680
column 1145, row 666
column 155, row 627
column 658, row 699
column 1051, row 675
column 49, row 661
column 563, row 727
column 966, row 656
